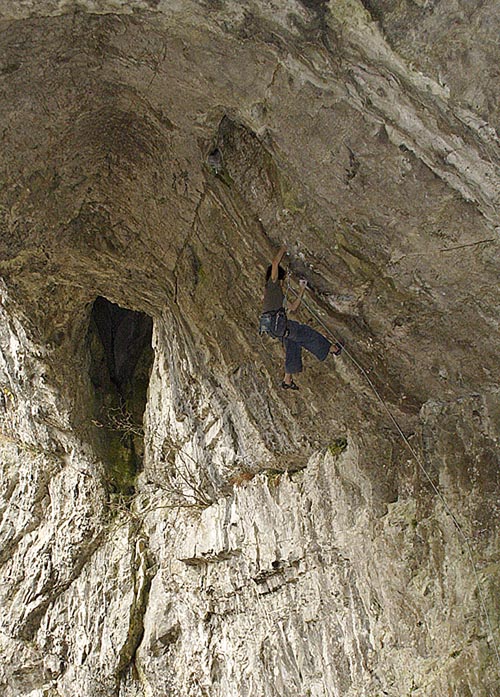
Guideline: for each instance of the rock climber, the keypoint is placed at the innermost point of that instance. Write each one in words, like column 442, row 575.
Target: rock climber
column 294, row 336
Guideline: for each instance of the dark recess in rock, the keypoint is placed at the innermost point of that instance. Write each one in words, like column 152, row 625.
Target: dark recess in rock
column 124, row 334
column 120, row 364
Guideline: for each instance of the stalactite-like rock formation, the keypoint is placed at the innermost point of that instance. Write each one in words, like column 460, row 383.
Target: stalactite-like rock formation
column 173, row 523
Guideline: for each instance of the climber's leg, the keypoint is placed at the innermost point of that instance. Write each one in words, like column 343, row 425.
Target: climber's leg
column 293, row 358
column 305, row 336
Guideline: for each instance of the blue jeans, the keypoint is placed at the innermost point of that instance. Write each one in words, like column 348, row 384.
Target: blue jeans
column 303, row 336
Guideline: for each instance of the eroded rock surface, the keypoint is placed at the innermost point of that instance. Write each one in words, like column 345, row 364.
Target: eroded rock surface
column 218, row 535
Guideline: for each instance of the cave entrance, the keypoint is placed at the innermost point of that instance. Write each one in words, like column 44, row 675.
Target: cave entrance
column 121, row 357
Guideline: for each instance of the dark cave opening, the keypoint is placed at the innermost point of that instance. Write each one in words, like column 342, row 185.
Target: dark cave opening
column 121, row 357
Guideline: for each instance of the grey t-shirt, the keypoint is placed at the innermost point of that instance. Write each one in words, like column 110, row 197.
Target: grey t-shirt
column 273, row 296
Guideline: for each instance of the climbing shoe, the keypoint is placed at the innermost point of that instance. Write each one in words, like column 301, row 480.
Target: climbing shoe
column 289, row 386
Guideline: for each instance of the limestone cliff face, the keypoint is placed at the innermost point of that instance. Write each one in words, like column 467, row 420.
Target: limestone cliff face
column 172, row 521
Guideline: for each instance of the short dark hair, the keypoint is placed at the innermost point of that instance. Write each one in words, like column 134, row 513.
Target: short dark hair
column 281, row 273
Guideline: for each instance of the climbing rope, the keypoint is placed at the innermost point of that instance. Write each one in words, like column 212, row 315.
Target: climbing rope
column 288, row 286
column 420, row 464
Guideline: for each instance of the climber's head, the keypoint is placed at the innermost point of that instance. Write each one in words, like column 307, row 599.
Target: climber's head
column 281, row 273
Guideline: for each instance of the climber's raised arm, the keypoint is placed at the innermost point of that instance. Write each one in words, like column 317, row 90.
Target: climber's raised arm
column 276, row 262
